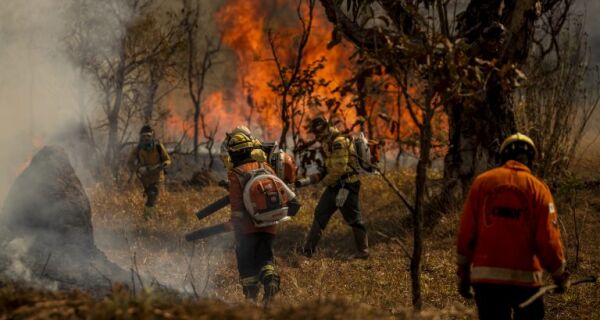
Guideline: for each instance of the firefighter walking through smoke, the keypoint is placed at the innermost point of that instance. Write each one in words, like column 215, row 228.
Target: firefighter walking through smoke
column 508, row 234
column 148, row 161
column 259, row 201
column 342, row 187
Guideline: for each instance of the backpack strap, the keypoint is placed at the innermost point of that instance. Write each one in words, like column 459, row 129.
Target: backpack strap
column 159, row 150
column 138, row 149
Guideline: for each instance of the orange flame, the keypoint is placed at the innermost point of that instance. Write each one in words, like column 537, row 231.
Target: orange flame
column 250, row 100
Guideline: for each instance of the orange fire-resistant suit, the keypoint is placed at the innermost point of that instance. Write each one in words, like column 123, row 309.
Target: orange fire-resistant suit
column 509, row 229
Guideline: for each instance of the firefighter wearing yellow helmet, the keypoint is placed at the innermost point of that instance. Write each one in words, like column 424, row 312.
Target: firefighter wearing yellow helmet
column 257, row 153
column 342, row 187
column 520, row 145
column 254, row 240
column 508, row 235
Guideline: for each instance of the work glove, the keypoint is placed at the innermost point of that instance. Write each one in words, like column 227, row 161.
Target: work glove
column 302, row 182
column 562, row 282
column 464, row 288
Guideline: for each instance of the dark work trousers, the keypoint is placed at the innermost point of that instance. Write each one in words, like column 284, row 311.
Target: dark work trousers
column 151, row 192
column 253, row 252
column 501, row 302
column 350, row 211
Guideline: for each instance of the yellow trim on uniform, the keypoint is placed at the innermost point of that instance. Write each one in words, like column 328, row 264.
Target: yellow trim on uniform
column 249, row 281
column 267, row 270
column 504, row 274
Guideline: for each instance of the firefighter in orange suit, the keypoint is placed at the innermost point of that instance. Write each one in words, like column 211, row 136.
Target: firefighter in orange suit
column 508, row 235
column 254, row 244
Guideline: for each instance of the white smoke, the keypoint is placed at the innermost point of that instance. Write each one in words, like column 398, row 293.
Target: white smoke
column 38, row 83
column 44, row 95
column 590, row 9
column 15, row 253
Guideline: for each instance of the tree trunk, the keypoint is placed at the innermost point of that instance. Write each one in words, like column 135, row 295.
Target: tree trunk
column 152, row 89
column 113, row 148
column 476, row 132
column 361, row 108
column 285, row 119
column 196, row 130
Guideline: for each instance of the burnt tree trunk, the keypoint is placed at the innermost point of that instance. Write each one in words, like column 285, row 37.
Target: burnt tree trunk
column 285, row 120
column 418, row 213
column 113, row 147
column 361, row 108
column 155, row 77
column 476, row 132
column 196, row 129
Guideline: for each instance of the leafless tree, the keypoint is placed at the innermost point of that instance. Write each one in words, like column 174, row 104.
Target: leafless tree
column 498, row 31
column 159, row 68
column 200, row 59
column 128, row 49
column 468, row 65
column 556, row 105
column 209, row 135
column 290, row 71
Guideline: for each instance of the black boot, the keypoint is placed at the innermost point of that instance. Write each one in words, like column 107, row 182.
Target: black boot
column 250, row 288
column 362, row 242
column 271, row 285
column 270, row 280
column 251, row 292
column 314, row 235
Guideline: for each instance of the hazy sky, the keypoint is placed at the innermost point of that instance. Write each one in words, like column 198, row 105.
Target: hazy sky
column 590, row 9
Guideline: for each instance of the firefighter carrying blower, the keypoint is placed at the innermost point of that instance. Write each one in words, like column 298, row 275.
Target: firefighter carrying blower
column 259, row 201
column 342, row 187
column 148, row 161
column 508, row 234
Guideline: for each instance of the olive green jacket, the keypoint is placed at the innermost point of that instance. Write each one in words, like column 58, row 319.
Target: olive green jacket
column 340, row 159
column 149, row 158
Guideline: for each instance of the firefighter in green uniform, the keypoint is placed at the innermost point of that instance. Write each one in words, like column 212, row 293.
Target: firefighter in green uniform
column 148, row 160
column 342, row 187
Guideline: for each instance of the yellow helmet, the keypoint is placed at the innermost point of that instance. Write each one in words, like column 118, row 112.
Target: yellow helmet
column 240, row 141
column 244, row 130
column 518, row 141
column 241, row 129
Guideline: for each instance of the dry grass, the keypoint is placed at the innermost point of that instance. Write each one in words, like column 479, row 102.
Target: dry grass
column 330, row 285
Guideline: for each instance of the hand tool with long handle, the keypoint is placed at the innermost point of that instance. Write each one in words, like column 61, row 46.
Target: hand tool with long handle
column 545, row 289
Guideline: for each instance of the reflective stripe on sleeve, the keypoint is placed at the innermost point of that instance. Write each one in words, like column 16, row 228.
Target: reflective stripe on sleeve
column 503, row 274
